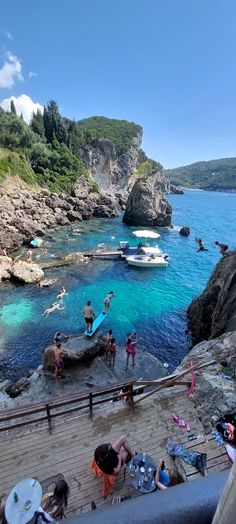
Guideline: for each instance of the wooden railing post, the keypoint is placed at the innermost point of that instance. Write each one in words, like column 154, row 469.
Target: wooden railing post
column 49, row 418
column 130, row 397
column 91, row 405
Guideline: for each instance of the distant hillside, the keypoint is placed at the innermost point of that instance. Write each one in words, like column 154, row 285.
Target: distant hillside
column 214, row 175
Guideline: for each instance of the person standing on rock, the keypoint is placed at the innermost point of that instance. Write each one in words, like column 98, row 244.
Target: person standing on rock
column 131, row 342
column 108, row 343
column 107, row 301
column 58, row 360
column 89, row 317
column 113, row 348
column 223, row 247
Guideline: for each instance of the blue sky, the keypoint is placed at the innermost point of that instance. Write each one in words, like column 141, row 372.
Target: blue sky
column 168, row 65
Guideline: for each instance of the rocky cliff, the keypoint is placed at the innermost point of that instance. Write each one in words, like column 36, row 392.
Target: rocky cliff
column 146, row 205
column 27, row 211
column 110, row 169
column 212, row 318
column 214, row 312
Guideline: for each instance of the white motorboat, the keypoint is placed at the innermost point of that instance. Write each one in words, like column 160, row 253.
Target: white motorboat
column 160, row 260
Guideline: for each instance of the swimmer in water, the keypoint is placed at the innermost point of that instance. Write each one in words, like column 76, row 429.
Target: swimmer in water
column 62, row 293
column 55, row 306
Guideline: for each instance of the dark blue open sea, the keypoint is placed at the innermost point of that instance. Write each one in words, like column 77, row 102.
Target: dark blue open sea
column 151, row 301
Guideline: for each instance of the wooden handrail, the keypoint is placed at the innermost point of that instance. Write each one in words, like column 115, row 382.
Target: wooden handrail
column 86, row 400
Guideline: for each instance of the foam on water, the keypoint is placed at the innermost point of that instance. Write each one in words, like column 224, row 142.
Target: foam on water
column 152, row 302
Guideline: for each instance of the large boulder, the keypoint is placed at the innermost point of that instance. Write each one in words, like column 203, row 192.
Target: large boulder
column 214, row 311
column 146, row 205
column 184, row 231
column 5, row 268
column 78, row 349
column 28, row 273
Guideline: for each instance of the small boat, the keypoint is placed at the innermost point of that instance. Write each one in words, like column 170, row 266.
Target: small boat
column 148, row 260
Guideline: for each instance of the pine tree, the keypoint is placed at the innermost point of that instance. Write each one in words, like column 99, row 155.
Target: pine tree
column 53, row 123
column 13, row 109
column 37, row 123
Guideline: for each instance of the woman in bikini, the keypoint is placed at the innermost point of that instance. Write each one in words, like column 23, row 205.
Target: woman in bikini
column 113, row 348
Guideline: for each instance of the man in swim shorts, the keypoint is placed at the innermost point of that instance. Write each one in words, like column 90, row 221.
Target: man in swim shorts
column 200, row 245
column 89, row 316
column 58, row 360
column 107, row 301
column 223, row 247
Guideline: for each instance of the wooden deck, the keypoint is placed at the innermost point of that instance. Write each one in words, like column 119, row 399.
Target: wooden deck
column 69, row 449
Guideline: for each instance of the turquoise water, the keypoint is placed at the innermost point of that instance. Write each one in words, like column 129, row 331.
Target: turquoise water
column 151, row 301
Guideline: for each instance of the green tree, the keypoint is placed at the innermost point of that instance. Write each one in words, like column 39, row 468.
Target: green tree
column 37, row 124
column 13, row 108
column 53, row 123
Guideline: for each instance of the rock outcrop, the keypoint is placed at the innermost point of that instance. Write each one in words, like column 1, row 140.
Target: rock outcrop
column 109, row 169
column 212, row 319
column 176, row 190
column 26, row 212
column 184, row 231
column 78, row 349
column 146, row 205
column 214, row 312
column 20, row 270
column 214, row 395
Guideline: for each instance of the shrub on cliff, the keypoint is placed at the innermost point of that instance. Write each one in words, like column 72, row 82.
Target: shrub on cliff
column 120, row 132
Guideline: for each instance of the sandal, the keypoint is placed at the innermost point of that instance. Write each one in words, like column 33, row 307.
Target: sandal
column 174, row 417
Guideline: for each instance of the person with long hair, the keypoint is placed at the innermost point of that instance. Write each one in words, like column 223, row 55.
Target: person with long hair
column 53, row 505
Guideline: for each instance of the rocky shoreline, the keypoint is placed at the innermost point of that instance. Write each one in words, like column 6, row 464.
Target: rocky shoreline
column 27, row 212
column 85, row 367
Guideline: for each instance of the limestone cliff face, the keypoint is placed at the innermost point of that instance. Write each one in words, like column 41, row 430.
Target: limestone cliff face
column 212, row 319
column 214, row 312
column 109, row 169
column 146, row 205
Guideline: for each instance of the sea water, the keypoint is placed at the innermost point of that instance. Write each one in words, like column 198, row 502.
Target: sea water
column 153, row 302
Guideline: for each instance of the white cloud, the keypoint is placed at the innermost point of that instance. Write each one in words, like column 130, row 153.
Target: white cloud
column 24, row 105
column 11, row 71
column 9, row 35
column 32, row 74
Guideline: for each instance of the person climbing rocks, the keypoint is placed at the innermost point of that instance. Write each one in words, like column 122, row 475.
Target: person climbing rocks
column 223, row 247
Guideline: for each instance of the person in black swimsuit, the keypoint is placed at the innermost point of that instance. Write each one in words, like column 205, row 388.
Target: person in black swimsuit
column 111, row 457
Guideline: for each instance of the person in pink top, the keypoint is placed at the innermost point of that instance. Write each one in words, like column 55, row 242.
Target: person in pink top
column 131, row 342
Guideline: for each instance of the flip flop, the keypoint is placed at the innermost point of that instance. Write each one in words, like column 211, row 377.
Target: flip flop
column 182, row 423
column 174, row 417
